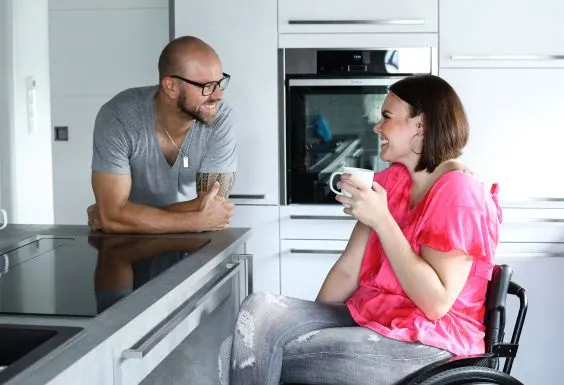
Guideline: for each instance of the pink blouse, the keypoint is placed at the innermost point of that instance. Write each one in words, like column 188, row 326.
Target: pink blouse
column 456, row 213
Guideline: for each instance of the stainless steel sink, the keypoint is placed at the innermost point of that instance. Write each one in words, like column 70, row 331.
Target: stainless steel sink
column 22, row 345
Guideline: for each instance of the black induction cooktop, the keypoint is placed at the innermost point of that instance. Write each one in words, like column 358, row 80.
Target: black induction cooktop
column 81, row 276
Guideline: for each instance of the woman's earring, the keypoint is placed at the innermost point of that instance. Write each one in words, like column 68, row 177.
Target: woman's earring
column 411, row 144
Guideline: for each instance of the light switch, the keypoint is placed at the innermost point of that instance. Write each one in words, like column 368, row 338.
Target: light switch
column 61, row 133
column 31, row 104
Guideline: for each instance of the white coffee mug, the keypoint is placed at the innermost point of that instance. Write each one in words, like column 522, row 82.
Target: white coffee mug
column 4, row 222
column 364, row 176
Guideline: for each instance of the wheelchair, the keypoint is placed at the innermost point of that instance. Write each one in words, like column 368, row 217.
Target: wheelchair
column 483, row 368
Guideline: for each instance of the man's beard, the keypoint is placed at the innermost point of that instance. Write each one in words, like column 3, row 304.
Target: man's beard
column 194, row 113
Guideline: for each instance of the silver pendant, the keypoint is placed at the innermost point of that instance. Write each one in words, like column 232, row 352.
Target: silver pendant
column 185, row 162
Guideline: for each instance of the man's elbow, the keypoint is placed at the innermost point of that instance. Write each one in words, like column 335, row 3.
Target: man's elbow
column 109, row 222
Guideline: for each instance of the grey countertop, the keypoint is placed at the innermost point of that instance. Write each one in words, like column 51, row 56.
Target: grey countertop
column 96, row 330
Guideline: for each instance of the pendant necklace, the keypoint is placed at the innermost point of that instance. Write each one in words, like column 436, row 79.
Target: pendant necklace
column 185, row 163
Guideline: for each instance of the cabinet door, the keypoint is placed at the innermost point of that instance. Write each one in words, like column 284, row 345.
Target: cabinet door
column 263, row 245
column 305, row 264
column 539, row 355
column 334, row 16
column 516, row 128
column 151, row 337
column 244, row 34
column 502, row 33
column 194, row 361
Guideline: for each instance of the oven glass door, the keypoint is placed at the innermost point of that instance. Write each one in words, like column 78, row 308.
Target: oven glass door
column 329, row 124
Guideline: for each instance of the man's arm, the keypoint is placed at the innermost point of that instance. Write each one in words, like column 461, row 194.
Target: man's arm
column 118, row 215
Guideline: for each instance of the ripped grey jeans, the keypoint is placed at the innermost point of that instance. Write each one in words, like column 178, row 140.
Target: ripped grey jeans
column 279, row 339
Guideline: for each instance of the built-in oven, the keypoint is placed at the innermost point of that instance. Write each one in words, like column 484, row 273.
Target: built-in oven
column 332, row 101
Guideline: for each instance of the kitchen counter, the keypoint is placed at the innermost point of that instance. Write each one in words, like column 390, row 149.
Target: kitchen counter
column 223, row 244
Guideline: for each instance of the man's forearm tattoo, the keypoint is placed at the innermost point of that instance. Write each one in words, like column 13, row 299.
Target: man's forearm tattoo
column 204, row 181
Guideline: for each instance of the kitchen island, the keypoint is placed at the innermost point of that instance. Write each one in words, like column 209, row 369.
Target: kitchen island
column 150, row 333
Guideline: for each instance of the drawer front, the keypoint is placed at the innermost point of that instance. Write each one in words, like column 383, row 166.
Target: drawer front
column 140, row 350
column 305, row 264
column 314, row 222
column 357, row 16
column 528, row 250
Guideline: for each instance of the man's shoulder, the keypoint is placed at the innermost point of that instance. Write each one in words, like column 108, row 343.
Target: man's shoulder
column 130, row 100
column 225, row 111
column 223, row 119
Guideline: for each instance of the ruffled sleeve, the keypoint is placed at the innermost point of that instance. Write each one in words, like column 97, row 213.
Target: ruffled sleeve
column 456, row 218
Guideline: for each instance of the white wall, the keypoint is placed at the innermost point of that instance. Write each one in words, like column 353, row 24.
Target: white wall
column 5, row 69
column 27, row 157
column 97, row 49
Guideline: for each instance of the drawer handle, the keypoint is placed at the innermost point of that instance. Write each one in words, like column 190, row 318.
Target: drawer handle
column 163, row 329
column 507, row 57
column 324, row 217
column 247, row 196
column 525, row 255
column 548, row 199
column 534, row 220
column 357, row 22
column 310, row 251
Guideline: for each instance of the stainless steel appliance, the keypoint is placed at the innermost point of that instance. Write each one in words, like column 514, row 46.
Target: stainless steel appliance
column 332, row 100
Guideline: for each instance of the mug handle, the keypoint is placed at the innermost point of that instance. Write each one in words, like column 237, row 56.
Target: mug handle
column 4, row 219
column 331, row 182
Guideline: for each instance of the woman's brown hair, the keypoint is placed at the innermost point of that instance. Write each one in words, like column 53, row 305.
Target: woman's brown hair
column 444, row 118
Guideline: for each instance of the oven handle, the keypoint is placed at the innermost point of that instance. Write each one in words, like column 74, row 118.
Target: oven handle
column 324, row 217
column 383, row 81
column 163, row 329
column 359, row 22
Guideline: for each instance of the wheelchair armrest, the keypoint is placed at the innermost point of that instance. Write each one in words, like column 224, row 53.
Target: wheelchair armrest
column 482, row 360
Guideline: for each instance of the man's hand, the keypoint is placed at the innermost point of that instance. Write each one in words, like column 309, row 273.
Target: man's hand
column 215, row 212
column 94, row 217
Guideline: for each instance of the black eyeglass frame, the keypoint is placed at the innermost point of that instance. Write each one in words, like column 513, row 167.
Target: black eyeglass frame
column 214, row 84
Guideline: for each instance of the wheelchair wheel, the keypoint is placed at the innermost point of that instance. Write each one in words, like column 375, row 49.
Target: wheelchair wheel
column 471, row 375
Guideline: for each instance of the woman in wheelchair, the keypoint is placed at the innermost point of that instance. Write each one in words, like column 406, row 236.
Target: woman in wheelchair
column 410, row 287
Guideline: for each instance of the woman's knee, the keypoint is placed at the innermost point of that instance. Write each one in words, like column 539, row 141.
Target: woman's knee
column 263, row 303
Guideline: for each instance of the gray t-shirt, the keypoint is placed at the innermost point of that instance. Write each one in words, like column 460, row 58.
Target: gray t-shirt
column 125, row 142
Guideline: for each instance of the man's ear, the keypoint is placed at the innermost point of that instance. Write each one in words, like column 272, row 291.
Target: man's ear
column 170, row 87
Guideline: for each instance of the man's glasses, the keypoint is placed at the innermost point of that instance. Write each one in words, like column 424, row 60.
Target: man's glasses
column 209, row 87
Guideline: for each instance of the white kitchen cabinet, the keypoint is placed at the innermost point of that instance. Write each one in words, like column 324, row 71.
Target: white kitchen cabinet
column 244, row 34
column 501, row 33
column 357, row 16
column 304, row 264
column 149, row 338
column 100, row 4
column 263, row 244
column 94, row 368
column 315, row 222
column 538, row 359
column 516, row 128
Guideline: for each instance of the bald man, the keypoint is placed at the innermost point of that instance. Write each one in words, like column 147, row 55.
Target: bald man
column 164, row 156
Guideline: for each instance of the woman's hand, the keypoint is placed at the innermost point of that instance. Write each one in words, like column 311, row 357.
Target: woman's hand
column 367, row 204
